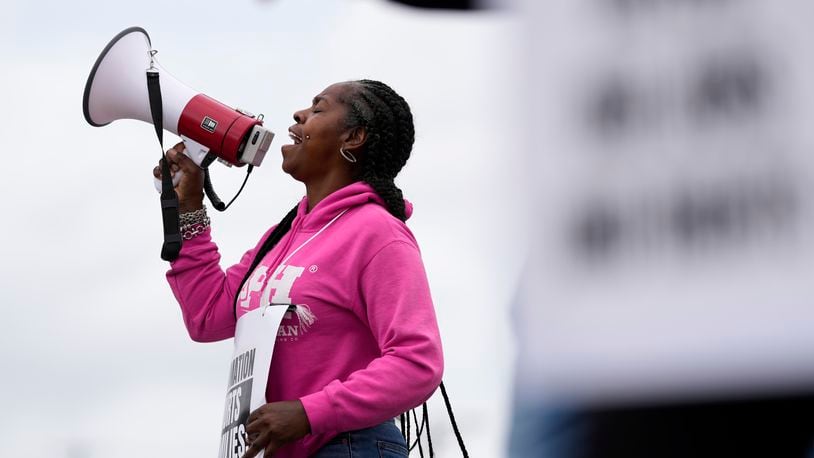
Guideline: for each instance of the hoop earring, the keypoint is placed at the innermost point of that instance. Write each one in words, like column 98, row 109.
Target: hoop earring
column 347, row 155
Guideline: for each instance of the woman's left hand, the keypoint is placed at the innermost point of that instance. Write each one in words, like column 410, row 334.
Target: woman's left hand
column 275, row 424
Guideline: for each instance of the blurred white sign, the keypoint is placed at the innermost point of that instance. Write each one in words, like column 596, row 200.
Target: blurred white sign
column 671, row 162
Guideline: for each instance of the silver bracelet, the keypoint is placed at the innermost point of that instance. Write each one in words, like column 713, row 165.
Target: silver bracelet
column 193, row 223
column 195, row 216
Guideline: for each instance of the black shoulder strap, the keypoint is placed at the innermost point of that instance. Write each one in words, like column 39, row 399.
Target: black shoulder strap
column 169, row 199
column 425, row 427
column 454, row 423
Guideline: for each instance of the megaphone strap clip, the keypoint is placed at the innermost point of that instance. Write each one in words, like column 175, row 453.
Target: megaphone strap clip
column 153, row 68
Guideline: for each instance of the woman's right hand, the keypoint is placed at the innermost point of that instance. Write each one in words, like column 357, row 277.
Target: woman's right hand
column 190, row 188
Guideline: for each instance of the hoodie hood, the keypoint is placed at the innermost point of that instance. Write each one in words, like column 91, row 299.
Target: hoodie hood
column 352, row 195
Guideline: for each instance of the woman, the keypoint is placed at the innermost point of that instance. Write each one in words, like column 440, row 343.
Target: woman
column 366, row 346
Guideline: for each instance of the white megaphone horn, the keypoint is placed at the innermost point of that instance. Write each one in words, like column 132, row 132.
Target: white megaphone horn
column 117, row 89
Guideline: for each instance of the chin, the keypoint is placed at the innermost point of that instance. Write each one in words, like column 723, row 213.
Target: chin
column 290, row 170
column 287, row 166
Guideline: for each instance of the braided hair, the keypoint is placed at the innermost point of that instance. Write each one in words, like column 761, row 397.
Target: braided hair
column 388, row 122
column 276, row 235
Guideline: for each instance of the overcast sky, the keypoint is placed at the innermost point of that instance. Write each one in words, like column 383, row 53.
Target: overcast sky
column 95, row 358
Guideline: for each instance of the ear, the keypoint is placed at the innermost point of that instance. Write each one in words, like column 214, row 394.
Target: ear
column 355, row 139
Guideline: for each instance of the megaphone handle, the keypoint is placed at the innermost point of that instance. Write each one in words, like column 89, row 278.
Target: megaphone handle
column 193, row 150
column 208, row 189
column 175, row 180
column 178, row 175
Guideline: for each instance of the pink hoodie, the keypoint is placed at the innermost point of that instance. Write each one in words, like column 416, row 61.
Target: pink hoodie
column 371, row 350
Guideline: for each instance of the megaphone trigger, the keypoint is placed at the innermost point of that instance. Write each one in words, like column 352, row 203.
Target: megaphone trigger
column 197, row 153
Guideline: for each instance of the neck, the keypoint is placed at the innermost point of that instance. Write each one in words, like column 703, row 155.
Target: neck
column 316, row 191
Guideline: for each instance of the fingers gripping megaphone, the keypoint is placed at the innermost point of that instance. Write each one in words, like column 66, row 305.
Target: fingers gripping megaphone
column 116, row 89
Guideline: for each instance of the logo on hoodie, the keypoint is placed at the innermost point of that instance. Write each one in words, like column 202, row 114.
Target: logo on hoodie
column 275, row 290
column 288, row 332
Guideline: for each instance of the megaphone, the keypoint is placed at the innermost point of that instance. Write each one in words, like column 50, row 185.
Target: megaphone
column 126, row 82
column 116, row 89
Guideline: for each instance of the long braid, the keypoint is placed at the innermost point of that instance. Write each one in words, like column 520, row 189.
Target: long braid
column 390, row 132
column 276, row 235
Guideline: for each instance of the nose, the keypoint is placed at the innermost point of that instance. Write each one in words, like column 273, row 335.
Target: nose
column 300, row 116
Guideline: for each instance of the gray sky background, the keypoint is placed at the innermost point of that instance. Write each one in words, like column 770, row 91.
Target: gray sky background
column 95, row 358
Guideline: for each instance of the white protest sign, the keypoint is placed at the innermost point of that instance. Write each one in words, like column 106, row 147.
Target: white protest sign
column 255, row 336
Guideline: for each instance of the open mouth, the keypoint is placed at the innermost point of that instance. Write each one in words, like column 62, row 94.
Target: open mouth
column 297, row 139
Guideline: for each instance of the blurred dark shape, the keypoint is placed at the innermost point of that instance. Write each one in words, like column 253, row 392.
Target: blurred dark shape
column 746, row 210
column 597, row 232
column 613, row 108
column 714, row 217
column 776, row 427
column 441, row 4
column 730, row 86
column 695, row 218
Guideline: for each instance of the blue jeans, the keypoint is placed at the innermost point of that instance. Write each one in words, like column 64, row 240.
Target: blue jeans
column 380, row 441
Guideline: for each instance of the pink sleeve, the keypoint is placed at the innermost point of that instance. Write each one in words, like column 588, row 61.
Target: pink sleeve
column 396, row 298
column 205, row 292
